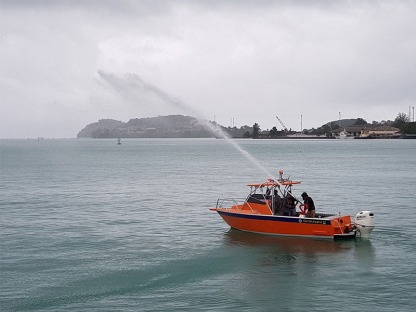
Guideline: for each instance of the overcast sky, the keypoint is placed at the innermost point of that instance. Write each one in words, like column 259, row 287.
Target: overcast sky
column 65, row 64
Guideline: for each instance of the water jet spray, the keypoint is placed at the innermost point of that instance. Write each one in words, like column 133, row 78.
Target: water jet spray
column 130, row 84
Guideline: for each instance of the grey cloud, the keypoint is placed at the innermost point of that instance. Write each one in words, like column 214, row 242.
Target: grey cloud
column 222, row 58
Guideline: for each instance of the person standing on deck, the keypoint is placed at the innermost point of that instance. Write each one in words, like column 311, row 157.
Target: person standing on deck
column 309, row 205
column 289, row 205
column 277, row 204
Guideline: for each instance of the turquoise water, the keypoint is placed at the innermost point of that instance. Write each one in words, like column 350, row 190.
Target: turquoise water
column 89, row 225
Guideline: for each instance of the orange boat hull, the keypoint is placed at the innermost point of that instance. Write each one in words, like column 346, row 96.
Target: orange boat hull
column 330, row 228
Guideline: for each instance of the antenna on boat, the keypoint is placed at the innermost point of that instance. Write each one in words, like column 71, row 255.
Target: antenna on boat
column 281, row 175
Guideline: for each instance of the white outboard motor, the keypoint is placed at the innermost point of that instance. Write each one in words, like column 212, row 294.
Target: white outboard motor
column 364, row 223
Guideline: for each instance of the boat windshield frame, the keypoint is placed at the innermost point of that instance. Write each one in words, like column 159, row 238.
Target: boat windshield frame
column 265, row 192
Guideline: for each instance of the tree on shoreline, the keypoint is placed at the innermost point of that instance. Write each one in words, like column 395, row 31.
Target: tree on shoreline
column 402, row 122
column 273, row 132
column 256, row 131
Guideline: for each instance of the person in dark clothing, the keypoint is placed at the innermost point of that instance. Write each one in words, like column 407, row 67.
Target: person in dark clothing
column 277, row 203
column 309, row 205
column 289, row 204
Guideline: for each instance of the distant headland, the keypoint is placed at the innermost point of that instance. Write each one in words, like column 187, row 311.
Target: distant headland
column 172, row 126
column 180, row 126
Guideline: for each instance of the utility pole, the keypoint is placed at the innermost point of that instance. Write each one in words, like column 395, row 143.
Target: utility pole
column 301, row 128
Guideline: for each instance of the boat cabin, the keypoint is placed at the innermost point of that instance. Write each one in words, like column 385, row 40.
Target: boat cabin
column 270, row 197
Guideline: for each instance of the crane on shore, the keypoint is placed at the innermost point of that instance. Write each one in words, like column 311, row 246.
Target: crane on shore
column 283, row 125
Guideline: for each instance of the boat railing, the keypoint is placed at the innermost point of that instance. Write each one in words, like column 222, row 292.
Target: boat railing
column 233, row 203
column 229, row 203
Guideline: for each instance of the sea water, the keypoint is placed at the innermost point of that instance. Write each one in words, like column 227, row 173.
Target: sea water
column 89, row 225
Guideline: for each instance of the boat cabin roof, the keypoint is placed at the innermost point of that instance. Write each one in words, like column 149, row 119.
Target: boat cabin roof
column 273, row 183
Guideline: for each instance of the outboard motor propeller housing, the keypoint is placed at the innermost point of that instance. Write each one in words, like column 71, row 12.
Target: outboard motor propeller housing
column 364, row 223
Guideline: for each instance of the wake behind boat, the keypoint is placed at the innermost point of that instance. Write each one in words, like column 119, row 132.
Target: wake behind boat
column 270, row 208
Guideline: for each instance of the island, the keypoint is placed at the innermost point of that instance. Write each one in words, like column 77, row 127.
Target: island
column 172, row 126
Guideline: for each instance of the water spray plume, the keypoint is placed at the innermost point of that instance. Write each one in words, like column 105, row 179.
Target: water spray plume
column 131, row 86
